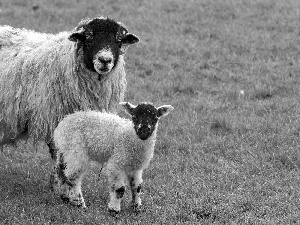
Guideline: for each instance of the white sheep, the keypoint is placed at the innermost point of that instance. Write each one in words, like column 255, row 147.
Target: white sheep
column 44, row 77
column 127, row 147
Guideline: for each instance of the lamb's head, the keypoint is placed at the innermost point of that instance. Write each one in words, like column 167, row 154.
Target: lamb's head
column 103, row 40
column 145, row 117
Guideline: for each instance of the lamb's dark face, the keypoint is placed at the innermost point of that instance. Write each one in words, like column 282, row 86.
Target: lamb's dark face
column 145, row 117
column 103, row 40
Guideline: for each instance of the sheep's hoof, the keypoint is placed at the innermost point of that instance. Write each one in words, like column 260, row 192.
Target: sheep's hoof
column 51, row 183
column 113, row 212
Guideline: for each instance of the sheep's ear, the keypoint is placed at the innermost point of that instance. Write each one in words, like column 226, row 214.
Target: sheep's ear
column 78, row 35
column 127, row 38
column 128, row 107
column 164, row 110
column 130, row 39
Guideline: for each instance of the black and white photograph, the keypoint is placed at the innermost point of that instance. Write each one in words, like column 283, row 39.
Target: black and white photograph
column 146, row 112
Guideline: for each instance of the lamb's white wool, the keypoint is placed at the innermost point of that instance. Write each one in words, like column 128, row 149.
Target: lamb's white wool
column 127, row 147
column 44, row 77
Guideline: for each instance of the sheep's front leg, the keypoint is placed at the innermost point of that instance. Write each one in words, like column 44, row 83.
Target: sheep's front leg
column 116, row 182
column 135, row 182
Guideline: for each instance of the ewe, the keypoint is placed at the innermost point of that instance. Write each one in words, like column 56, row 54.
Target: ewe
column 127, row 147
column 44, row 77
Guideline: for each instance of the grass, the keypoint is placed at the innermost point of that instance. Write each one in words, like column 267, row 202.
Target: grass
column 227, row 154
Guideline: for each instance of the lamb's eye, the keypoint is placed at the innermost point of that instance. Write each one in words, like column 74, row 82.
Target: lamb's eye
column 119, row 44
column 154, row 119
column 118, row 37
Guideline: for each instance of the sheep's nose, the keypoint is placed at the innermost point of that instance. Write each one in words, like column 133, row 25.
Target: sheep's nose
column 105, row 60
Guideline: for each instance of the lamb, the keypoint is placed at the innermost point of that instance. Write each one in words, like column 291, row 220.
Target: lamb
column 126, row 146
column 44, row 77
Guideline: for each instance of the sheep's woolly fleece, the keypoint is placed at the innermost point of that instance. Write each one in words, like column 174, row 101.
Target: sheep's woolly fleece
column 42, row 79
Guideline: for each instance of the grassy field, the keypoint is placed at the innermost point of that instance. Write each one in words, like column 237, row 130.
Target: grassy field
column 227, row 154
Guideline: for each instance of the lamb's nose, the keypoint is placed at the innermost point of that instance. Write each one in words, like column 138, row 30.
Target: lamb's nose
column 145, row 128
column 105, row 60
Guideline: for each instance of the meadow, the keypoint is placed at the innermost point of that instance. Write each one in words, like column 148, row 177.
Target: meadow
column 227, row 154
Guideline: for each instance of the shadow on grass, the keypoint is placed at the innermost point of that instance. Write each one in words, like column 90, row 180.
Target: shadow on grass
column 18, row 184
column 203, row 214
column 220, row 127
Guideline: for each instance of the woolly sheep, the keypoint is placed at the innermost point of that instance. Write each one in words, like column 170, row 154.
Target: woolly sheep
column 126, row 146
column 44, row 77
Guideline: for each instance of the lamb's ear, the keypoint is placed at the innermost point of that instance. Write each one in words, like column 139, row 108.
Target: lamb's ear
column 164, row 110
column 128, row 107
column 130, row 39
column 78, row 35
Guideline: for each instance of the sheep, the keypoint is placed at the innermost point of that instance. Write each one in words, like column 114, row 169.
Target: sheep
column 126, row 146
column 44, row 76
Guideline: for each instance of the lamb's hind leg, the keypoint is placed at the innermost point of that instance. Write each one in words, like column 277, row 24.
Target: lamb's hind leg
column 135, row 182
column 73, row 192
column 67, row 183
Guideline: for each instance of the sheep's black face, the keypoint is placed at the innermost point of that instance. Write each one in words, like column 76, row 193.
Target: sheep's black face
column 144, row 118
column 103, row 40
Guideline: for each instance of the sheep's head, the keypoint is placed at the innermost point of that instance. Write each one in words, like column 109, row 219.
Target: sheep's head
column 103, row 40
column 145, row 117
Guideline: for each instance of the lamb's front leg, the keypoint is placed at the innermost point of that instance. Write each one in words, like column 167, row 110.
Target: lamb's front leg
column 116, row 180
column 135, row 182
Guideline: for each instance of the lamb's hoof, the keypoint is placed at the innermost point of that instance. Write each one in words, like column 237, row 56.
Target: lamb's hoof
column 77, row 203
column 113, row 212
column 65, row 198
column 82, row 207
column 136, row 208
